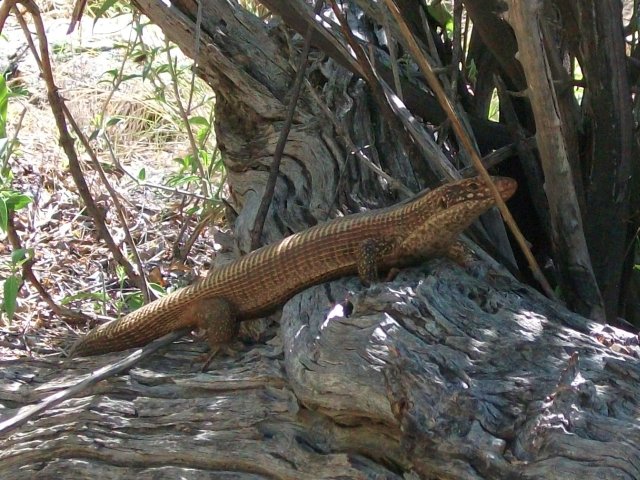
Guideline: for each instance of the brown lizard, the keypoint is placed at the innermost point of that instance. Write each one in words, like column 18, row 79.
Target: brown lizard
column 256, row 284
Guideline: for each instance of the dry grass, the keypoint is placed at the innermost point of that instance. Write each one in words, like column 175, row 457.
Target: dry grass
column 71, row 264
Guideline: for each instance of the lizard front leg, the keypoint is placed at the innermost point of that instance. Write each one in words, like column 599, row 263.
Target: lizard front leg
column 369, row 254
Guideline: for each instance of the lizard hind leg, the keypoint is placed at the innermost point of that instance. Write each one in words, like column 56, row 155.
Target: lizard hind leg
column 217, row 317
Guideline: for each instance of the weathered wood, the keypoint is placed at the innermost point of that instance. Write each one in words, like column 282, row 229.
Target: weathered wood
column 570, row 248
column 317, row 173
column 496, row 34
column 608, row 146
column 445, row 372
column 96, row 376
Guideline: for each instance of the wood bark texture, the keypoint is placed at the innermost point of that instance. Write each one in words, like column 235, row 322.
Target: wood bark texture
column 609, row 153
column 566, row 221
column 444, row 373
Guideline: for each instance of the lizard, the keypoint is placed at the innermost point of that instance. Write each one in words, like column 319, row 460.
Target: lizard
column 258, row 283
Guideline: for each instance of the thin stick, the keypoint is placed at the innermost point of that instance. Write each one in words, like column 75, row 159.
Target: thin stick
column 27, row 273
column 464, row 139
column 270, row 187
column 67, row 143
column 142, row 284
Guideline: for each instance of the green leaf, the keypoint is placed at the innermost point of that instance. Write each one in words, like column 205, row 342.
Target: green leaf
column 198, row 120
column 17, row 256
column 113, row 121
column 110, row 75
column 4, row 144
column 94, row 134
column 98, row 296
column 133, row 301
column 4, row 215
column 4, row 102
column 193, row 210
column 205, row 158
column 164, row 68
column 18, row 201
column 102, row 9
column 131, row 77
column 10, row 291
column 177, row 181
column 142, row 174
column 121, row 274
column 472, row 70
column 6, row 177
column 441, row 15
column 20, row 256
column 159, row 289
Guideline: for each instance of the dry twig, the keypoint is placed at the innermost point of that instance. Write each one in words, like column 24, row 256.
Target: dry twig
column 464, row 139
column 269, row 188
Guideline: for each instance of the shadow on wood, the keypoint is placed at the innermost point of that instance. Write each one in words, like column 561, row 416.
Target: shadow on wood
column 444, row 372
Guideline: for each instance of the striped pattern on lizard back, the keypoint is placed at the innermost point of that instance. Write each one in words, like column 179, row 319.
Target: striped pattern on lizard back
column 264, row 279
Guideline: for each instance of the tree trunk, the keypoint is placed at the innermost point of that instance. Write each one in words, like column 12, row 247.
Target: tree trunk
column 446, row 372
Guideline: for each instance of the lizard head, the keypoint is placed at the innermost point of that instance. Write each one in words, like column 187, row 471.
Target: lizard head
column 474, row 191
column 437, row 218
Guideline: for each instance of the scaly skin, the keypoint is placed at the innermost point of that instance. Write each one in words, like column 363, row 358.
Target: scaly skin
column 264, row 279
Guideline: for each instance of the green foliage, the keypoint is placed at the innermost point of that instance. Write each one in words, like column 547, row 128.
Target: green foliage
column 472, row 71
column 254, row 7
column 439, row 12
column 7, row 146
column 4, row 141
column 166, row 113
column 10, row 295
column 95, row 296
column 11, row 200
column 178, row 103
column 108, row 8
column 12, row 283
column 494, row 106
column 4, row 104
column 134, row 300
